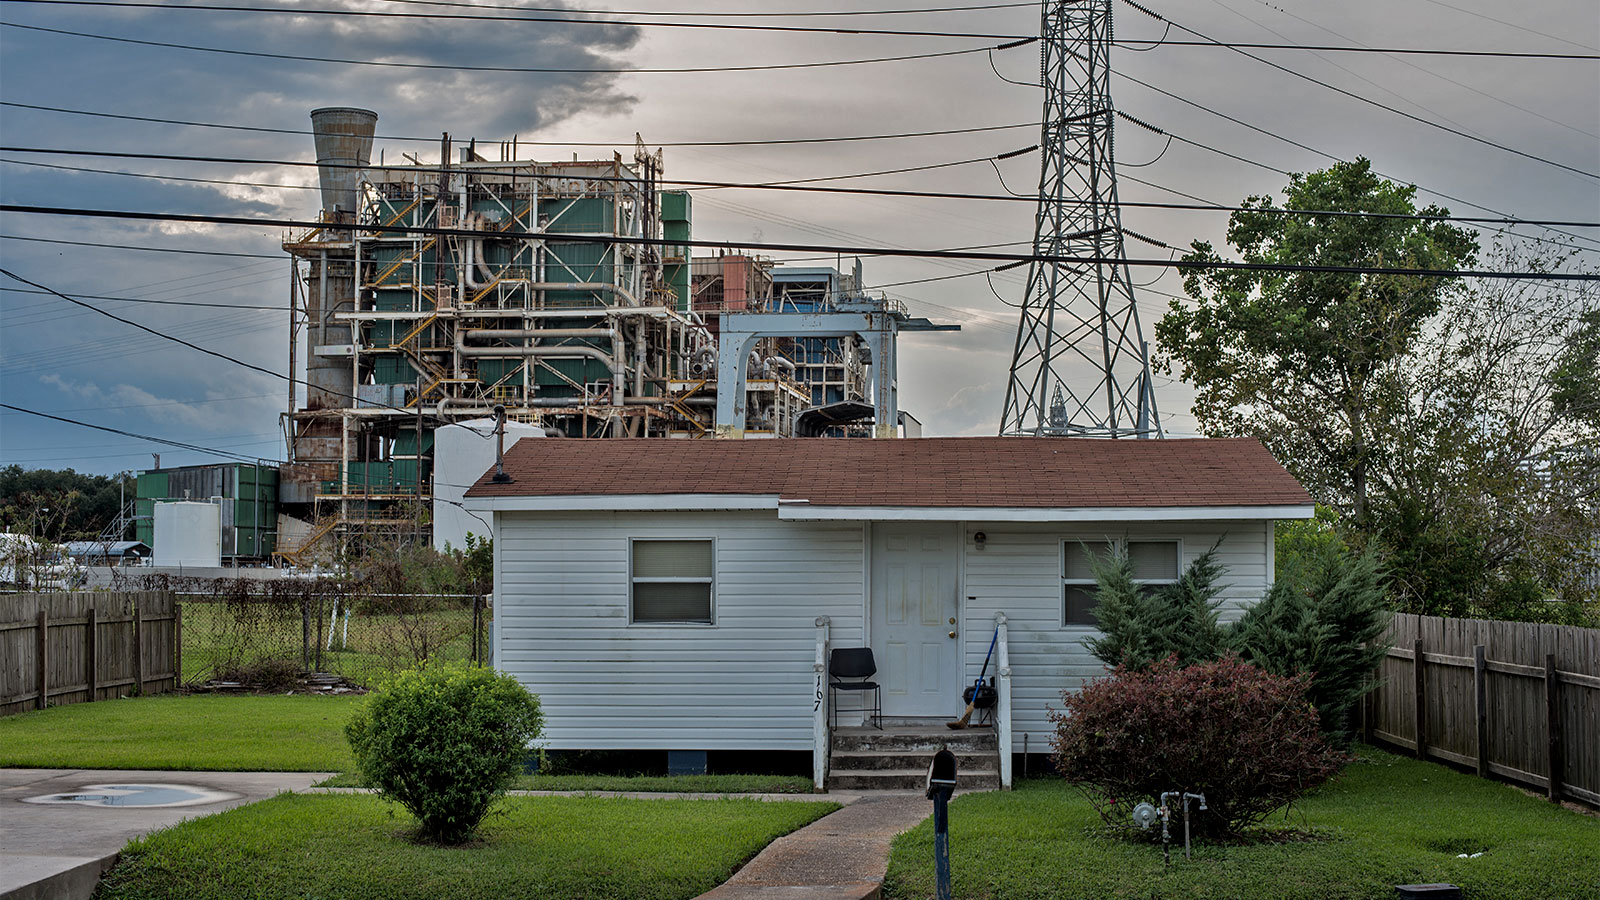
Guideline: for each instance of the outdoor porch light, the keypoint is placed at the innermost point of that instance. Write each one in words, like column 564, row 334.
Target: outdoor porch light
column 980, row 538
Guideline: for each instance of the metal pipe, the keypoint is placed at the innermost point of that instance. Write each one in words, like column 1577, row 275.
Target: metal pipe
column 514, row 334
column 638, row 359
column 601, row 286
column 618, row 375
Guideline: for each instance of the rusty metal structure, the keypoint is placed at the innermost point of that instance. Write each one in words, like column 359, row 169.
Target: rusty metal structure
column 433, row 291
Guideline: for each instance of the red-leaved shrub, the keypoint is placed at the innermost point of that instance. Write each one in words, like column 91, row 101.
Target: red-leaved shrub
column 1245, row 738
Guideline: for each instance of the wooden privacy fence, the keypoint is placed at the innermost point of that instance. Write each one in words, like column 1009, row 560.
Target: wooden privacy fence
column 1513, row 699
column 78, row 647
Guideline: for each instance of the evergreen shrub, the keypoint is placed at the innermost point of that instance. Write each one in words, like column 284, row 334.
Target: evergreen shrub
column 444, row 741
column 1245, row 738
column 1324, row 618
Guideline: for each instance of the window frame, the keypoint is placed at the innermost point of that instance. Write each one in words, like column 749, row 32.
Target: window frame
column 1114, row 544
column 709, row 581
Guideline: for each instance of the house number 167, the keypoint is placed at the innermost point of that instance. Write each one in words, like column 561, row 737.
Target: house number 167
column 818, row 704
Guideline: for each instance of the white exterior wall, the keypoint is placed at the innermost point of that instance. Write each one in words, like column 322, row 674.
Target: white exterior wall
column 744, row 682
column 188, row 534
column 1017, row 571
column 462, row 452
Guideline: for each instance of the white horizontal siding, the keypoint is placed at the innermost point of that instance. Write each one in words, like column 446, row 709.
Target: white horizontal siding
column 745, row 682
column 1018, row 571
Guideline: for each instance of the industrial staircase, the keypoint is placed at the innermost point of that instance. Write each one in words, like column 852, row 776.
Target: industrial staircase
column 896, row 758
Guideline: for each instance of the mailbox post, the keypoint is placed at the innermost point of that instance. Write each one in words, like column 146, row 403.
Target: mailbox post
column 941, row 784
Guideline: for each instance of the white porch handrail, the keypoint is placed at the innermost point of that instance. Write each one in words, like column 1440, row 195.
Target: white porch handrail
column 1003, row 726
column 819, row 708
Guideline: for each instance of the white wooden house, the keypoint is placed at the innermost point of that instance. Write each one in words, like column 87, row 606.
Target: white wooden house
column 682, row 595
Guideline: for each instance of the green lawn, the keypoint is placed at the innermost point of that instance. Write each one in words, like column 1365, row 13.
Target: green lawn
column 1385, row 821
column 213, row 732
column 675, row 784
column 357, row 846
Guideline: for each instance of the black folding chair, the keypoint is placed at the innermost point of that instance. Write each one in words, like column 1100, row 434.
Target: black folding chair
column 851, row 669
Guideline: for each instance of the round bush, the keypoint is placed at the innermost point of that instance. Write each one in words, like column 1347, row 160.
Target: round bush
column 1245, row 738
column 444, row 742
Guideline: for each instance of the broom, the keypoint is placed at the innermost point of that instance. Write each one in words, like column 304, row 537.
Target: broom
column 977, row 686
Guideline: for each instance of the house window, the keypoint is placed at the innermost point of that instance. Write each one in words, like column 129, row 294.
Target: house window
column 672, row 581
column 1154, row 563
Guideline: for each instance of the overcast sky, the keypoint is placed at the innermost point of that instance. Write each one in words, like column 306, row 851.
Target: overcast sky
column 65, row 360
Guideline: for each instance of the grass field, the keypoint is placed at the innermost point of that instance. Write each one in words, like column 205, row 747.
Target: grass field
column 357, row 846
column 209, row 731
column 256, row 733
column 1385, row 821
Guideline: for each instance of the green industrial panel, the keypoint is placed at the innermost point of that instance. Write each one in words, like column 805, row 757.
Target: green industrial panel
column 678, row 280
column 392, row 301
column 675, row 231
column 405, row 474
column 152, row 485
column 405, row 443
column 393, row 370
column 580, row 262
column 675, row 207
column 490, row 371
column 582, row 371
column 587, row 215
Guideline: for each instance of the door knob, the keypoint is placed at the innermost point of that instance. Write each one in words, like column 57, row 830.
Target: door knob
column 952, row 634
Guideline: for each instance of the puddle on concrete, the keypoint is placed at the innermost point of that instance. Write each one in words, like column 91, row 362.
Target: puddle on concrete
column 144, row 796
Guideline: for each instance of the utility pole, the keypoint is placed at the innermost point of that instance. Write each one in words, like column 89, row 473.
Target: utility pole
column 1080, row 366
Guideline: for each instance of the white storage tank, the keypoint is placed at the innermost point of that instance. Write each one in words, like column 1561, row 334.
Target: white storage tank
column 188, row 534
column 461, row 454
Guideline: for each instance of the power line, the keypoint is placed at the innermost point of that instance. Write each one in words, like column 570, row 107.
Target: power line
column 1367, row 100
column 200, row 303
column 728, row 15
column 551, row 237
column 1508, row 24
column 18, row 237
column 143, row 437
column 144, row 328
column 543, row 20
column 791, row 186
column 525, row 70
column 1322, row 48
column 1325, row 154
column 1413, row 66
column 434, row 139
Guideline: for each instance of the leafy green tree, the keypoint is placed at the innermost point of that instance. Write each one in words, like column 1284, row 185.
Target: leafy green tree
column 60, row 505
column 1487, row 495
column 1296, row 358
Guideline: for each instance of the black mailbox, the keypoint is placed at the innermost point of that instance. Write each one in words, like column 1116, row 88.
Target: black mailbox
column 941, row 774
column 941, row 784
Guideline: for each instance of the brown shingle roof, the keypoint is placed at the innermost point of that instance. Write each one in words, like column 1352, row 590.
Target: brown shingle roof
column 1047, row 473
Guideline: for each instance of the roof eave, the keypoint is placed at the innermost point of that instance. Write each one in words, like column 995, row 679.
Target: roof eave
column 802, row 511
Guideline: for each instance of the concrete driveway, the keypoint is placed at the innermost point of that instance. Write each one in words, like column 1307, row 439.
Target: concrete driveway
column 58, row 849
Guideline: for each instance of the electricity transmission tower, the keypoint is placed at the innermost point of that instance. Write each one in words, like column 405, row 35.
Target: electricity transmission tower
column 1080, row 366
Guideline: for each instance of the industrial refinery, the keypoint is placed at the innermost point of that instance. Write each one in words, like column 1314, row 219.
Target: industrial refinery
column 437, row 289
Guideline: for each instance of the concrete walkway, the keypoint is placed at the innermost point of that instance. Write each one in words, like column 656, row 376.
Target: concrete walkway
column 61, row 850
column 842, row 856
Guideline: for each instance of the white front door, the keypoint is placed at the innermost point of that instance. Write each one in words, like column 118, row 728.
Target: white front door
column 915, row 640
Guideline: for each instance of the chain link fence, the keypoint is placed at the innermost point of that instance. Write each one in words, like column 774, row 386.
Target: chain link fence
column 270, row 633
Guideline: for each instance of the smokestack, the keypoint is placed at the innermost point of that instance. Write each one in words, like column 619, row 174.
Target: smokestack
column 344, row 144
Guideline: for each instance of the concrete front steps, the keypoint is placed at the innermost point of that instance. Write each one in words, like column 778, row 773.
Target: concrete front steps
column 865, row 759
